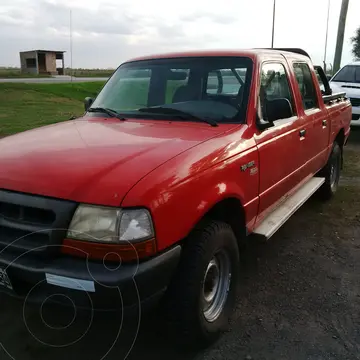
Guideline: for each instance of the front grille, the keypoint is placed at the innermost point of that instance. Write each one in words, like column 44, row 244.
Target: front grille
column 351, row 86
column 21, row 239
column 355, row 117
column 355, row 102
column 33, row 224
column 27, row 214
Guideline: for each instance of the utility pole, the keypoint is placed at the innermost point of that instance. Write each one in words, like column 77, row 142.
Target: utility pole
column 273, row 27
column 340, row 35
column 327, row 35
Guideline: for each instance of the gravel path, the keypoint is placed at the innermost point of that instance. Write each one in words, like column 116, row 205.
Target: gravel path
column 300, row 299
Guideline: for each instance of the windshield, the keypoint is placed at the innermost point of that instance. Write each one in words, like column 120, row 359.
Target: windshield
column 215, row 88
column 349, row 74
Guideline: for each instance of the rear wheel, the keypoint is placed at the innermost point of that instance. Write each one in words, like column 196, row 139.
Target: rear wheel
column 202, row 295
column 331, row 172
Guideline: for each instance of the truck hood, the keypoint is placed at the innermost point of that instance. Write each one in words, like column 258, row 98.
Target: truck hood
column 94, row 160
column 351, row 89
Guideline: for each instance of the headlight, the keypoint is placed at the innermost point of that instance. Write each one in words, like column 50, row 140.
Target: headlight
column 110, row 225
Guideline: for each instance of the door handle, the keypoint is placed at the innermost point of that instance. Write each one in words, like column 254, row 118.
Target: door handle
column 324, row 122
column 302, row 133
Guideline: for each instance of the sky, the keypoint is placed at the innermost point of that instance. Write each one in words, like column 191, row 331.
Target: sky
column 109, row 32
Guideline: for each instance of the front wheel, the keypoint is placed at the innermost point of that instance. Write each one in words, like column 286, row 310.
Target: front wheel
column 331, row 172
column 202, row 295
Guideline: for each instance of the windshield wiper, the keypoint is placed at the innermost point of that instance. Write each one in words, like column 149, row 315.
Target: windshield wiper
column 179, row 113
column 107, row 111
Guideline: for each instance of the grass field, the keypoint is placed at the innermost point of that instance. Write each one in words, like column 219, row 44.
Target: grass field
column 89, row 72
column 26, row 106
column 19, row 75
column 8, row 73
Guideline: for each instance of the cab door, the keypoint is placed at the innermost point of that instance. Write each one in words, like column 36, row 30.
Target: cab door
column 315, row 115
column 281, row 150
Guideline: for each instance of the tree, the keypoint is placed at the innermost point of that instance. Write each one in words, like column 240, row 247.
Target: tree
column 356, row 44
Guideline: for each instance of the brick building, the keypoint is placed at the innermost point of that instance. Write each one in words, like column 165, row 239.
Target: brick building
column 42, row 62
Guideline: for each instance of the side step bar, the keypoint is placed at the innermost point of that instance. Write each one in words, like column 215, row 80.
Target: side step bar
column 281, row 214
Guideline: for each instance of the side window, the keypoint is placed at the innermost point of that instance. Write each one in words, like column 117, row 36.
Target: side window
column 357, row 74
column 275, row 94
column 233, row 80
column 306, row 86
column 225, row 81
column 214, row 85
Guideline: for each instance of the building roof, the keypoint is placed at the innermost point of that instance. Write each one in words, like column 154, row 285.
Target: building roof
column 50, row 51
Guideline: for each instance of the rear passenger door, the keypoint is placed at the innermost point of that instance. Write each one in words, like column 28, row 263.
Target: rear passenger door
column 315, row 117
column 281, row 151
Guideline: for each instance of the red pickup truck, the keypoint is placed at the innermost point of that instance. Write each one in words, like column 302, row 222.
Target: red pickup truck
column 154, row 191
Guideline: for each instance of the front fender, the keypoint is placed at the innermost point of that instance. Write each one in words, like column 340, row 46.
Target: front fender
column 178, row 203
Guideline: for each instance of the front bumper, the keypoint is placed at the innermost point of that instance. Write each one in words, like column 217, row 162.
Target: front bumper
column 99, row 286
column 355, row 116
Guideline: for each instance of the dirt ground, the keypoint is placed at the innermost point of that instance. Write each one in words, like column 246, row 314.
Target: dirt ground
column 299, row 300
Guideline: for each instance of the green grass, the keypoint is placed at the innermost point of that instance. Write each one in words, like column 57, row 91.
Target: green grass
column 26, row 106
column 19, row 75
column 130, row 96
column 9, row 73
column 89, row 72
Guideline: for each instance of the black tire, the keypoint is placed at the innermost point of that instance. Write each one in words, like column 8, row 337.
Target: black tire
column 331, row 173
column 185, row 298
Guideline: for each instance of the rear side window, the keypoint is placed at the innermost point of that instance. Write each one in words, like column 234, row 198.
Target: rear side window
column 226, row 81
column 349, row 74
column 306, row 86
column 213, row 82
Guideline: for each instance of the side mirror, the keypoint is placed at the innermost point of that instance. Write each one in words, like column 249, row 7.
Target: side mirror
column 261, row 124
column 278, row 109
column 88, row 102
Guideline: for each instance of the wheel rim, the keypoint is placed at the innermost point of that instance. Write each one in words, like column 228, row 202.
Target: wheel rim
column 216, row 285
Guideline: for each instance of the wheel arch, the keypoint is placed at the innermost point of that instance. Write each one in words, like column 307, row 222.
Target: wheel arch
column 340, row 140
column 340, row 137
column 229, row 210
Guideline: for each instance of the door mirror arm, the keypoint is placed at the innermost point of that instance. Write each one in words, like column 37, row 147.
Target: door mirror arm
column 263, row 125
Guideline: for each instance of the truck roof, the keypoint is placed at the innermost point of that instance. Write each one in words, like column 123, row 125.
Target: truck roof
column 251, row 53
